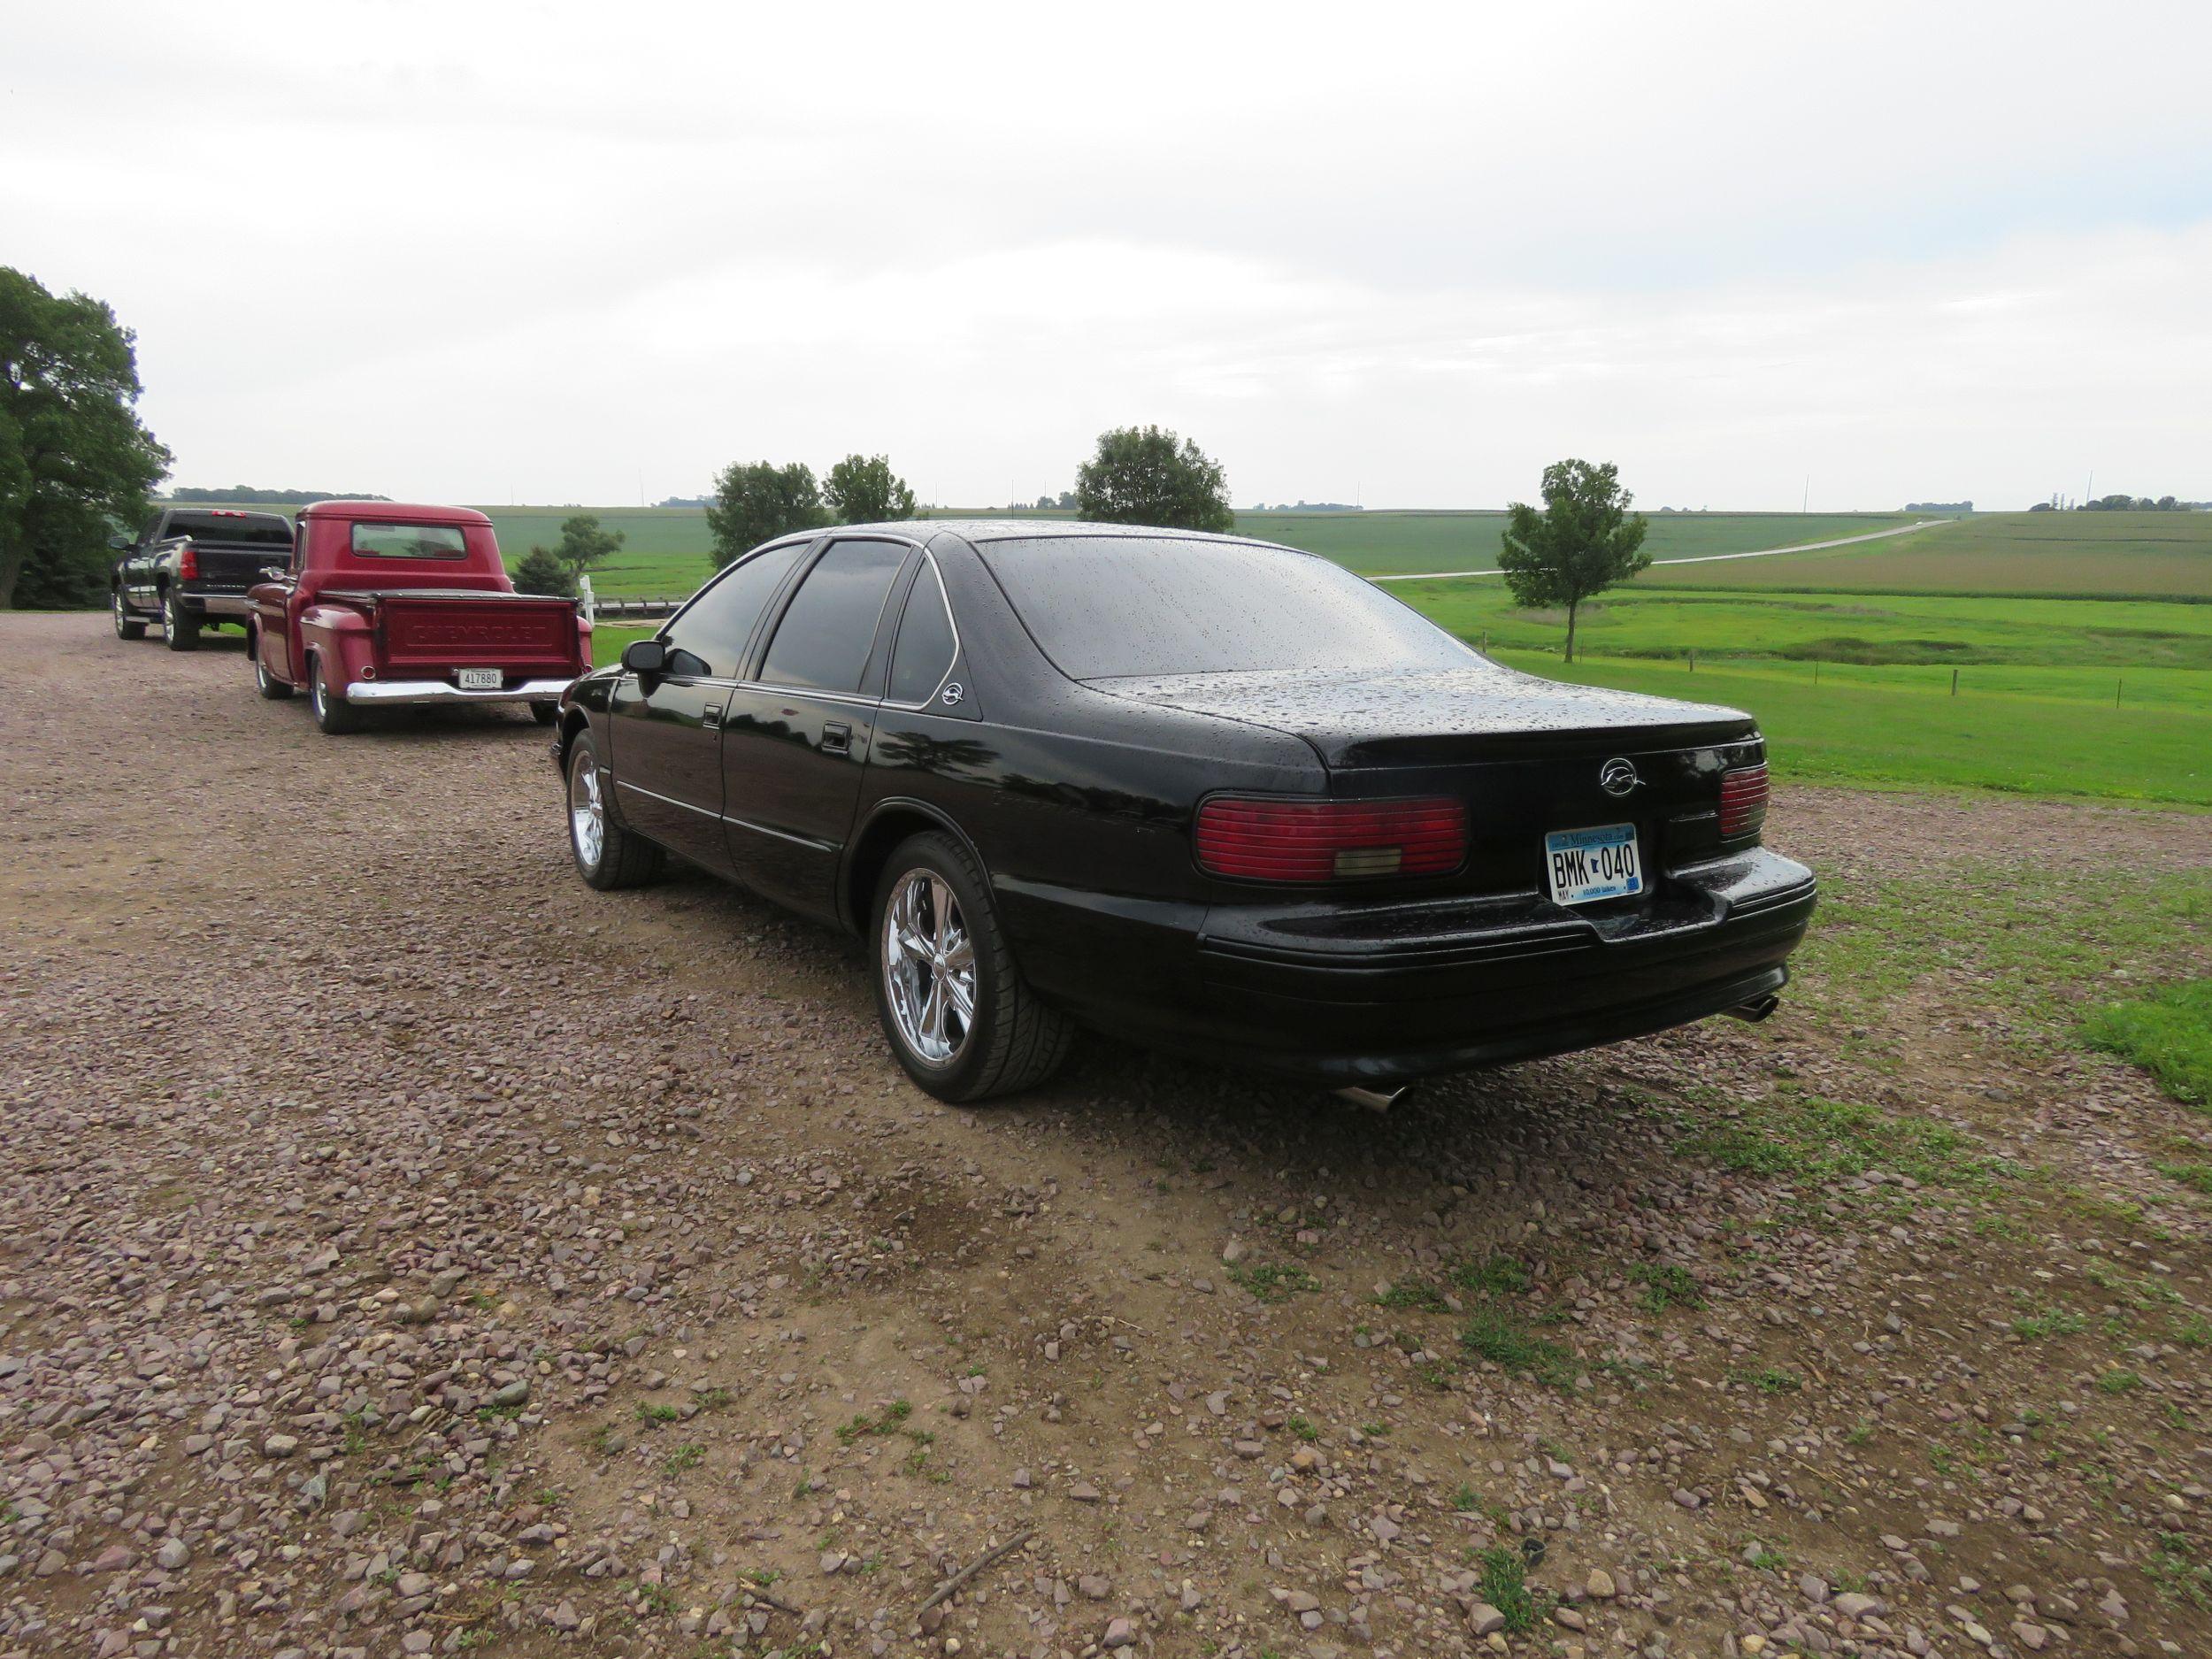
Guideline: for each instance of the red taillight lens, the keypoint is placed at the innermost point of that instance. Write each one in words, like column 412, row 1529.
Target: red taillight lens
column 1330, row 840
column 1743, row 801
column 187, row 563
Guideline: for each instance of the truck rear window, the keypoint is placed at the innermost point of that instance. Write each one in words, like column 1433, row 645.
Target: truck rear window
column 240, row 529
column 410, row 541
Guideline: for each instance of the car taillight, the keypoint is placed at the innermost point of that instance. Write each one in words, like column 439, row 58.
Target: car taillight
column 188, row 562
column 1743, row 801
column 1258, row 840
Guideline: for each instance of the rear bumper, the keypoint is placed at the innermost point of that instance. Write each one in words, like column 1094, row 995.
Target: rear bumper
column 411, row 691
column 214, row 604
column 1349, row 993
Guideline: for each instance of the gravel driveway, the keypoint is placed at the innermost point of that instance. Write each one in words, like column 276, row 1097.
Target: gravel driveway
column 404, row 1249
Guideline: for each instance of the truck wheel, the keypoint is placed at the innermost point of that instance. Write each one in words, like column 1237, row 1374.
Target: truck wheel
column 959, row 1016
column 182, row 631
column 265, row 683
column 607, row 854
column 126, row 626
column 332, row 713
column 545, row 713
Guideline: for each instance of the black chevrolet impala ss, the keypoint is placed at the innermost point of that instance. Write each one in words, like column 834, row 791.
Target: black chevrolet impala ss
column 1201, row 792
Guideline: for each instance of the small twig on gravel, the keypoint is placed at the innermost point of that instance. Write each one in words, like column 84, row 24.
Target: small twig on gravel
column 756, row 1593
column 976, row 1566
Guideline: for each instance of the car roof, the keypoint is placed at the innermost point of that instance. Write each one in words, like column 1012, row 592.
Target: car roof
column 1043, row 529
column 393, row 512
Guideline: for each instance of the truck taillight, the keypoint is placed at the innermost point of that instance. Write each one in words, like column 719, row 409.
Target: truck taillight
column 188, row 562
column 1743, row 801
column 1259, row 839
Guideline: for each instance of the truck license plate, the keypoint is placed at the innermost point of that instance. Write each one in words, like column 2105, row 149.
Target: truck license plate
column 1585, row 866
column 482, row 679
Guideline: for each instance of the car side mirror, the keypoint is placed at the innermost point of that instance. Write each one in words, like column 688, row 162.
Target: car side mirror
column 120, row 543
column 645, row 657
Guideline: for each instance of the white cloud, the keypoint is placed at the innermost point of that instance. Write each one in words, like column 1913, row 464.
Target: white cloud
column 458, row 251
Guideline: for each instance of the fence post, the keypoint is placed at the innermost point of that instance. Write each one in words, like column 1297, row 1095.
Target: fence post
column 1955, row 682
column 1693, row 659
column 2115, row 690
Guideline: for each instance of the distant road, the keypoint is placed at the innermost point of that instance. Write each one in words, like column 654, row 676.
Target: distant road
column 1702, row 558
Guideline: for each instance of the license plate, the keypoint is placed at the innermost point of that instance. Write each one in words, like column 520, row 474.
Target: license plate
column 482, row 679
column 1585, row 866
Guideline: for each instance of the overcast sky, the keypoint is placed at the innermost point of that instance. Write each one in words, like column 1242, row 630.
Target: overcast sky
column 475, row 251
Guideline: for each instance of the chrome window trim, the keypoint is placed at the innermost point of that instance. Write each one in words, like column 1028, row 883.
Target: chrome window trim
column 852, row 698
column 951, row 663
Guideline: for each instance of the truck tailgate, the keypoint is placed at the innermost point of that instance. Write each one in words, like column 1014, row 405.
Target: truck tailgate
column 429, row 635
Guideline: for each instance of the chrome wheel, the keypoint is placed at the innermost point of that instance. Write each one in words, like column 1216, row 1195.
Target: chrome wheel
column 120, row 619
column 586, row 813
column 928, row 967
column 318, row 694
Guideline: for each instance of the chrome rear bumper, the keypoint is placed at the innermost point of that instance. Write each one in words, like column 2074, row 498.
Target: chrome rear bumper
column 397, row 691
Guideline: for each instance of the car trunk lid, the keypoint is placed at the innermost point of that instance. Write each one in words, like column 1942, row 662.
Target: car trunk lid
column 1527, row 757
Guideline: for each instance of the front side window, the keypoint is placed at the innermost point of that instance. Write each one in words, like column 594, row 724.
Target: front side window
column 924, row 654
column 1112, row 607
column 822, row 643
column 713, row 628
column 410, row 541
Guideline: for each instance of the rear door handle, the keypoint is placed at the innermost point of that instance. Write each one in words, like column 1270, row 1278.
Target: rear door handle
column 837, row 738
column 712, row 715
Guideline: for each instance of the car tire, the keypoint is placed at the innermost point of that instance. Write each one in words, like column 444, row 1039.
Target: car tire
column 1009, row 1039
column 126, row 626
column 265, row 683
column 545, row 713
column 332, row 713
column 607, row 854
column 182, row 632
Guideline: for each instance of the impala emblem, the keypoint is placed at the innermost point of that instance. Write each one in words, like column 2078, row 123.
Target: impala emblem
column 1617, row 777
column 952, row 694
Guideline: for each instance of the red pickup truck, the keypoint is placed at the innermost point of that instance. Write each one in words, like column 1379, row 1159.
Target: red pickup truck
column 384, row 603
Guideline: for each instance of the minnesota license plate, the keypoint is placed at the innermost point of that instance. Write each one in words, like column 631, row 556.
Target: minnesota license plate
column 481, row 679
column 1585, row 866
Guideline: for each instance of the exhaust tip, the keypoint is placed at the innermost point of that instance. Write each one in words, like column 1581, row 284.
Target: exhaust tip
column 1375, row 1100
column 1755, row 1011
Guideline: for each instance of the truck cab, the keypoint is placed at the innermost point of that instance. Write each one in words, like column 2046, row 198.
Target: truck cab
column 390, row 603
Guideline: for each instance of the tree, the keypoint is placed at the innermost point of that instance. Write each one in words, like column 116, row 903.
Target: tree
column 754, row 503
column 1143, row 475
column 583, row 544
column 543, row 573
column 1585, row 540
column 75, row 458
column 863, row 489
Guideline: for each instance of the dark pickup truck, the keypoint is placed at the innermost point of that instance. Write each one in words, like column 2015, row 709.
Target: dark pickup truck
column 191, row 568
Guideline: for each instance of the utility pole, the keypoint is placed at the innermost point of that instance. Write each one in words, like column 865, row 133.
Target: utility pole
column 1805, row 504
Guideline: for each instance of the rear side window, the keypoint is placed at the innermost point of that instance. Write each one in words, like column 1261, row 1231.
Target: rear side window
column 241, row 529
column 410, row 541
column 823, row 640
column 925, row 646
column 1110, row 607
column 714, row 627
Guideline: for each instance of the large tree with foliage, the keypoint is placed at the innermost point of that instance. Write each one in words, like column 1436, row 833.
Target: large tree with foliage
column 754, row 502
column 863, row 489
column 1584, row 540
column 1143, row 475
column 75, row 460
column 584, row 542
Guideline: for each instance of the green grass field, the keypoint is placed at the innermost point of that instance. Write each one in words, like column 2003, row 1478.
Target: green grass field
column 2147, row 555
column 2083, row 668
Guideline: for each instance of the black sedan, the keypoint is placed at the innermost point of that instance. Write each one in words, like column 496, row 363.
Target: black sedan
column 1201, row 793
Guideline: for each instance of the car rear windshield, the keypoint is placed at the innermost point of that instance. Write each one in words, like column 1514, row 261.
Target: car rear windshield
column 410, row 541
column 1110, row 607
column 249, row 529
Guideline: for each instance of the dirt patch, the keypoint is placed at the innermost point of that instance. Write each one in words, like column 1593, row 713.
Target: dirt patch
column 402, row 1243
